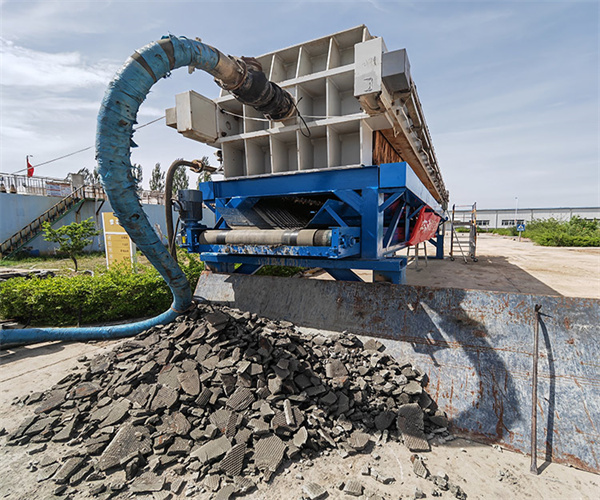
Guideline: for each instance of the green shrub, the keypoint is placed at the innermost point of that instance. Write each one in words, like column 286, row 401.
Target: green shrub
column 566, row 240
column 118, row 294
column 191, row 265
column 576, row 232
column 113, row 295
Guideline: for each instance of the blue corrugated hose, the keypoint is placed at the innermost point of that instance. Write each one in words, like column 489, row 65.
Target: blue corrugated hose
column 117, row 116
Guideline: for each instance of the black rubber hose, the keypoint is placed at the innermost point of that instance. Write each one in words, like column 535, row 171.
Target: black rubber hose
column 196, row 167
column 267, row 97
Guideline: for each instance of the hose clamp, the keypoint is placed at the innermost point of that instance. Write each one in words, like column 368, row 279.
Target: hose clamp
column 242, row 69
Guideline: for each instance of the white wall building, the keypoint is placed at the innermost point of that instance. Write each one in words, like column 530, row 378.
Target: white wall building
column 505, row 217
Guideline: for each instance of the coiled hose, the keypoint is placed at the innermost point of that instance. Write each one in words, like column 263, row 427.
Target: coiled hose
column 116, row 118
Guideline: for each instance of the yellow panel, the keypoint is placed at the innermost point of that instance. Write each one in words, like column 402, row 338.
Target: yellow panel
column 118, row 244
column 111, row 223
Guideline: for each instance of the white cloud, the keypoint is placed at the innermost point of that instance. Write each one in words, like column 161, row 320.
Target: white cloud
column 57, row 72
column 13, row 132
column 33, row 20
column 509, row 89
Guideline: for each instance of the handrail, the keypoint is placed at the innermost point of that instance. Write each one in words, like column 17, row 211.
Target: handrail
column 38, row 186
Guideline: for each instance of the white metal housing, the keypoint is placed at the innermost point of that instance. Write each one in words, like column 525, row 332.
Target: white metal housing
column 345, row 90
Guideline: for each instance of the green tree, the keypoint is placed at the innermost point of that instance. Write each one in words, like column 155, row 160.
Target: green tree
column 90, row 178
column 71, row 238
column 204, row 175
column 157, row 179
column 87, row 175
column 138, row 175
column 180, row 180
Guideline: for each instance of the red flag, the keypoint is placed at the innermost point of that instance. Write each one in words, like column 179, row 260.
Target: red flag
column 29, row 168
column 425, row 227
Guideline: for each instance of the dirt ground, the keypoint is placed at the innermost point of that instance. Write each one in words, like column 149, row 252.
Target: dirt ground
column 482, row 471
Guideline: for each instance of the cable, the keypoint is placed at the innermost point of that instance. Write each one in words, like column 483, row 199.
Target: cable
column 149, row 123
column 308, row 133
column 243, row 117
column 252, row 118
column 55, row 159
column 303, row 121
column 80, row 150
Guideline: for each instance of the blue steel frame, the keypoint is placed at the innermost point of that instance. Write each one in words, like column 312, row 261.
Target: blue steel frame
column 382, row 200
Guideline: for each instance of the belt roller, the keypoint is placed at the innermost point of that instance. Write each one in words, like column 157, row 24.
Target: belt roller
column 300, row 237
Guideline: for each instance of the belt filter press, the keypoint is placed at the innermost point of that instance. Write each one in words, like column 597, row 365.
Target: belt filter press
column 344, row 183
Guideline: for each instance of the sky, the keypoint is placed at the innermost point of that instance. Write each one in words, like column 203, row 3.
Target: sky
column 510, row 89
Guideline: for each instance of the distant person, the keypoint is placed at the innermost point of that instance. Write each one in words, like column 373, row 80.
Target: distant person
column 2, row 188
column 13, row 189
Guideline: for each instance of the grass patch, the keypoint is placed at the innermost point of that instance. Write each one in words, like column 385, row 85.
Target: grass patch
column 92, row 261
column 284, row 271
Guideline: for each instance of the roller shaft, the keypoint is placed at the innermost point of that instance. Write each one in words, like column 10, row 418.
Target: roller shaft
column 301, row 237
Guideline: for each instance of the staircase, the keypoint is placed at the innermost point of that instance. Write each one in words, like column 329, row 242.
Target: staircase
column 31, row 230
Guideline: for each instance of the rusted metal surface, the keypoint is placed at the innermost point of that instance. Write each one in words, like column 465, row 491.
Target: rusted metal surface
column 476, row 347
column 383, row 151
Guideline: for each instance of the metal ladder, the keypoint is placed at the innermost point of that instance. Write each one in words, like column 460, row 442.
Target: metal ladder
column 18, row 240
column 472, row 234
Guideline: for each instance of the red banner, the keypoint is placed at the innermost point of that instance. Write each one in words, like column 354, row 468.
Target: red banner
column 425, row 227
column 29, row 168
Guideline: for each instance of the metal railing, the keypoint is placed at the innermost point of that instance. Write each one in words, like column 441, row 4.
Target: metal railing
column 31, row 230
column 50, row 186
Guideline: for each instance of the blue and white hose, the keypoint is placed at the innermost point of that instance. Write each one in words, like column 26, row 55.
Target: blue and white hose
column 116, row 118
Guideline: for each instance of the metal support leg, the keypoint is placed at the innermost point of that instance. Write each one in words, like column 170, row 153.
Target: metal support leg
column 417, row 256
column 439, row 242
column 371, row 232
column 534, row 376
column 343, row 274
column 397, row 278
column 221, row 267
column 248, row 269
